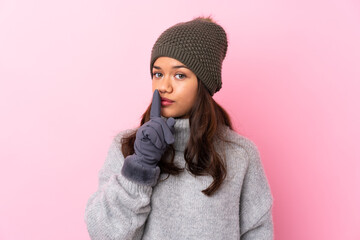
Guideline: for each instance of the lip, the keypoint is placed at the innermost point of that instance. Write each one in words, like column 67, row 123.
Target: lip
column 166, row 102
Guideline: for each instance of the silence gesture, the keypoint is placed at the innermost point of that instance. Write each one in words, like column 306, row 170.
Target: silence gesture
column 152, row 139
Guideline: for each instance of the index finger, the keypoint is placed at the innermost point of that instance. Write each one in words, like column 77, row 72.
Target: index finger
column 155, row 105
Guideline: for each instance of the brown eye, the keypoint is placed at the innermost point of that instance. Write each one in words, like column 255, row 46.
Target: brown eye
column 181, row 76
column 154, row 74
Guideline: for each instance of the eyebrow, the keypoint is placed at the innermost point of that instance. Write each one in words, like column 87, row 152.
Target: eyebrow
column 179, row 66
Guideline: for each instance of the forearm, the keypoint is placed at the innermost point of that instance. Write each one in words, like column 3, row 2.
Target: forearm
column 256, row 200
column 118, row 210
column 261, row 230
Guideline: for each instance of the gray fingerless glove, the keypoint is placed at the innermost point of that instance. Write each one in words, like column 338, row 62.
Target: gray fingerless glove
column 152, row 139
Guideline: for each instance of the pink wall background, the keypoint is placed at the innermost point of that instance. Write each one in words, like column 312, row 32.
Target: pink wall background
column 74, row 73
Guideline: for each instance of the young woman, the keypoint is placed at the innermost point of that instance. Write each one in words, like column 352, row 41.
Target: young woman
column 184, row 173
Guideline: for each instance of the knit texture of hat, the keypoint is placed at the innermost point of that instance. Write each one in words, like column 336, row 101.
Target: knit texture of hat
column 199, row 44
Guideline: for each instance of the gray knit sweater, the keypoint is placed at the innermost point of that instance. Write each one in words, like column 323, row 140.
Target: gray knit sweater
column 176, row 208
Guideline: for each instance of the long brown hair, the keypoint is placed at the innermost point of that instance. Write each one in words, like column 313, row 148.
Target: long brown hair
column 206, row 119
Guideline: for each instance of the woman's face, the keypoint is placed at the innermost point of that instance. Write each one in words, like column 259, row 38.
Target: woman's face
column 177, row 83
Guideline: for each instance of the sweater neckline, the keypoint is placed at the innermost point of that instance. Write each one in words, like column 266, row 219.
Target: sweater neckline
column 181, row 134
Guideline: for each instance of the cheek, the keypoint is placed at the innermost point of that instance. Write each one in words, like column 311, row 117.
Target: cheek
column 189, row 93
column 192, row 90
column 153, row 84
column 192, row 97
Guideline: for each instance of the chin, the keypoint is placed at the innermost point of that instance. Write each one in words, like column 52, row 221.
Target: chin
column 169, row 114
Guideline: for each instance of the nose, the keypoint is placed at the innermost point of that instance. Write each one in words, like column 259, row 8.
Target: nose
column 165, row 85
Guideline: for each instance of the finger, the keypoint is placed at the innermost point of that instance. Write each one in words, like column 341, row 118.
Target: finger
column 145, row 149
column 170, row 122
column 168, row 135
column 155, row 105
column 155, row 134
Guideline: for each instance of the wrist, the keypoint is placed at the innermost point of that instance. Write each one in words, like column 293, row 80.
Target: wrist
column 136, row 170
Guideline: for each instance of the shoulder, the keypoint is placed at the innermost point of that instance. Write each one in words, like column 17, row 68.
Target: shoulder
column 122, row 134
column 256, row 179
column 115, row 146
column 115, row 156
column 239, row 143
column 242, row 154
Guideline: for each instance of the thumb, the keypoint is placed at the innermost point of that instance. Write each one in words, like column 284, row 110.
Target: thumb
column 169, row 136
column 171, row 122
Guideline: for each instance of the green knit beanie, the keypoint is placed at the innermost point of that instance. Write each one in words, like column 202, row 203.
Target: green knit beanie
column 200, row 44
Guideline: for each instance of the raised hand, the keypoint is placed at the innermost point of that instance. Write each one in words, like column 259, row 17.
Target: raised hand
column 153, row 136
column 155, row 114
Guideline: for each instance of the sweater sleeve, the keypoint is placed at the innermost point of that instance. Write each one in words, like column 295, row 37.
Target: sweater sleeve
column 256, row 200
column 120, row 207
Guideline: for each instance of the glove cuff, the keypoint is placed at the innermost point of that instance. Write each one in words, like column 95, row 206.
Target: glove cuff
column 134, row 171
